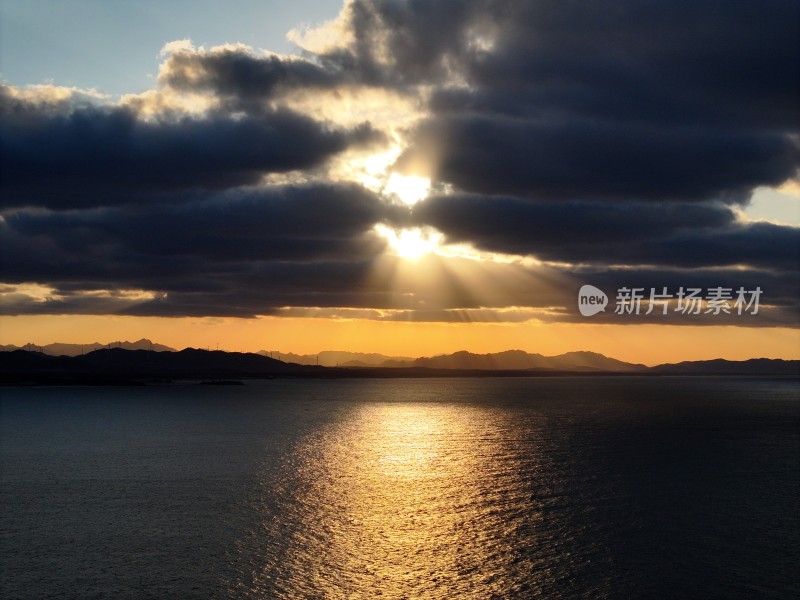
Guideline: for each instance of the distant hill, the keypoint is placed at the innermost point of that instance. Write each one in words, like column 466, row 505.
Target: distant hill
column 119, row 366
column 754, row 366
column 517, row 360
column 59, row 349
column 334, row 358
column 508, row 360
column 23, row 361
column 127, row 365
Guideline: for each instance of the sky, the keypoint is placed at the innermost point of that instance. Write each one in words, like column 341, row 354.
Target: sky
column 403, row 177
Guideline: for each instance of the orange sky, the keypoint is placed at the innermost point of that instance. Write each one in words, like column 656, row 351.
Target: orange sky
column 648, row 344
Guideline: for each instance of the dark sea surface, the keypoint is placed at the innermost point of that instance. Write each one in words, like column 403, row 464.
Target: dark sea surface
column 594, row 487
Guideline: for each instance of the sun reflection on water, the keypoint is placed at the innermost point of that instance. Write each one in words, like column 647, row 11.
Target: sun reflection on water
column 401, row 500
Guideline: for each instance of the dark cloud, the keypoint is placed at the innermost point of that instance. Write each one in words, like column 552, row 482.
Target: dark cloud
column 580, row 159
column 256, row 252
column 516, row 226
column 242, row 255
column 684, row 101
column 267, row 223
column 611, row 141
column 678, row 61
column 156, row 247
column 94, row 156
column 634, row 233
column 244, row 81
column 763, row 245
column 672, row 62
column 454, row 290
column 405, row 44
column 235, row 72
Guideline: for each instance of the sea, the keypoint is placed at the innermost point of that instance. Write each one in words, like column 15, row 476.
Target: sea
column 542, row 487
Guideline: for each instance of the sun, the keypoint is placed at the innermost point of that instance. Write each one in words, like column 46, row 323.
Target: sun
column 411, row 243
column 409, row 189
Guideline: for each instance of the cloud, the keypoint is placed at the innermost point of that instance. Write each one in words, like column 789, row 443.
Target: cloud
column 674, row 234
column 611, row 143
column 146, row 245
column 672, row 101
column 580, row 159
column 239, row 77
column 92, row 156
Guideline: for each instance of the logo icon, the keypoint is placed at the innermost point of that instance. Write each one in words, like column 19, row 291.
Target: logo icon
column 591, row 300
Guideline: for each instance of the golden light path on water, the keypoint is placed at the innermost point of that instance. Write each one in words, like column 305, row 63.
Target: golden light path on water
column 400, row 500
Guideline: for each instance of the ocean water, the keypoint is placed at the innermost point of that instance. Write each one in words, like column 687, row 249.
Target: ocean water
column 437, row 488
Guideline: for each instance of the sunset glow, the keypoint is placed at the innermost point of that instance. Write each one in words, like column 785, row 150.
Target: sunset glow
column 387, row 162
column 411, row 243
column 409, row 189
column 430, row 299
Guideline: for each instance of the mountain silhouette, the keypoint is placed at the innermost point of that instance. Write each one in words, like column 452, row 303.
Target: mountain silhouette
column 508, row 360
column 61, row 349
column 517, row 359
column 753, row 366
column 120, row 366
column 334, row 358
